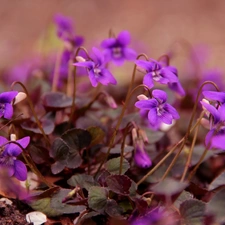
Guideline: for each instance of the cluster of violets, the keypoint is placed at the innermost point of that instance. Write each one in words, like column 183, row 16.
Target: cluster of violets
column 154, row 108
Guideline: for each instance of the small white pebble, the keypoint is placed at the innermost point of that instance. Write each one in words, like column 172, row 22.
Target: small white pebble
column 37, row 218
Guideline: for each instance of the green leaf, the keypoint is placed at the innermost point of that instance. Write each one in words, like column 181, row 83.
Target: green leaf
column 113, row 209
column 113, row 165
column 217, row 205
column 97, row 198
column 184, row 196
column 197, row 153
column 97, row 135
column 119, row 184
column 192, row 212
column 44, row 205
column 82, row 180
column 153, row 136
column 217, row 182
column 169, row 187
column 63, row 208
column 50, row 202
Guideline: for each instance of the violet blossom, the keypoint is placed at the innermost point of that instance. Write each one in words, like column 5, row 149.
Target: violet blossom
column 159, row 111
column 65, row 30
column 8, row 158
column 216, row 136
column 115, row 48
column 141, row 157
column 96, row 69
column 157, row 71
column 6, row 109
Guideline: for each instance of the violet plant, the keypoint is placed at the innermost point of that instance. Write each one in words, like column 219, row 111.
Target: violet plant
column 113, row 154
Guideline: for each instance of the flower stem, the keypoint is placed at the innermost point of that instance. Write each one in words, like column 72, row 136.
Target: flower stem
column 74, row 71
column 56, row 70
column 122, row 147
column 33, row 111
column 188, row 162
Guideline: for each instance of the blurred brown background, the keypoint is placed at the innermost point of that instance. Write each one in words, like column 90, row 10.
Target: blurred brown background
column 156, row 24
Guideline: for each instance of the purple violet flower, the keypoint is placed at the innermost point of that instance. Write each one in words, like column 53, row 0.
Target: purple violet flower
column 6, row 109
column 159, row 110
column 116, row 48
column 8, row 157
column 159, row 72
column 216, row 136
column 141, row 157
column 96, row 69
column 65, row 30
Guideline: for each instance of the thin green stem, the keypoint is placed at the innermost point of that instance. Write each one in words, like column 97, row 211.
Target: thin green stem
column 198, row 164
column 123, row 146
column 74, row 82
column 56, row 71
column 188, row 162
column 133, row 75
column 33, row 111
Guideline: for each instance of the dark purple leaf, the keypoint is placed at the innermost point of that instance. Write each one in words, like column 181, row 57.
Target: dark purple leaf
column 119, row 184
column 56, row 100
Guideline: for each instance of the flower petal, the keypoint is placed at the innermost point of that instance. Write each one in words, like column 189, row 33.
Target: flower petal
column 212, row 110
column 214, row 95
column 99, row 56
column 153, row 117
column 177, row 87
column 148, row 81
column 20, row 170
column 107, row 43
column 144, row 64
column 7, row 97
column 146, row 104
column 24, row 142
column 124, row 38
column 92, row 78
column 3, row 140
column 129, row 54
column 159, row 94
column 170, row 109
column 87, row 64
column 218, row 141
column 8, row 112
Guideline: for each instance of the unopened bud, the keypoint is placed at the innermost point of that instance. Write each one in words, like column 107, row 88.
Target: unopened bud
column 20, row 97
column 12, row 137
column 142, row 97
column 80, row 59
column 110, row 101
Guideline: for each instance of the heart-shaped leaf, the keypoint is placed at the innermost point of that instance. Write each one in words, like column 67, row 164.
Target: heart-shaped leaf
column 97, row 198
column 82, row 180
column 113, row 166
column 192, row 211
column 119, row 184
